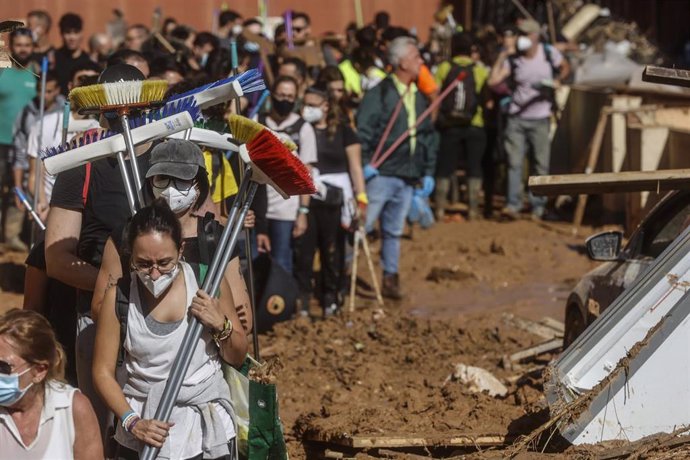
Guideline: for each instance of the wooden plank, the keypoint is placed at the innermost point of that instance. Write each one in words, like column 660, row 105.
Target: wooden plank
column 544, row 331
column 553, row 324
column 451, row 440
column 598, row 183
column 666, row 76
column 592, row 159
column 546, row 347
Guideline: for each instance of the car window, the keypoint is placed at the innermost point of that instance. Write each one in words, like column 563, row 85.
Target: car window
column 660, row 230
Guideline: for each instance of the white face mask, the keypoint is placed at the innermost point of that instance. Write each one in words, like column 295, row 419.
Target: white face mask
column 524, row 43
column 178, row 201
column 159, row 286
column 312, row 114
column 236, row 29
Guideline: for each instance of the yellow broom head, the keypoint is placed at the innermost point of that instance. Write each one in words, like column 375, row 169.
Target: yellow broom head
column 137, row 93
column 245, row 130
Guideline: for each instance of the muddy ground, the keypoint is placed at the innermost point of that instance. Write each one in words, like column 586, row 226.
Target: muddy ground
column 384, row 371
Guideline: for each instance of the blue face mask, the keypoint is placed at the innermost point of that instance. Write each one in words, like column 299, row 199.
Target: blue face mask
column 10, row 392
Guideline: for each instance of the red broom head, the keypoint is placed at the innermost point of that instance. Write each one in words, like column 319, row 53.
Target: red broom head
column 281, row 167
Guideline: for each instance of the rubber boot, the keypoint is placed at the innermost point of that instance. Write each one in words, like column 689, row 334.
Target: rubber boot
column 441, row 197
column 474, row 187
column 391, row 286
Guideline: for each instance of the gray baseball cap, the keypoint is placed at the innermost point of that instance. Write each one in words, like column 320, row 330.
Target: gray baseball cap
column 176, row 158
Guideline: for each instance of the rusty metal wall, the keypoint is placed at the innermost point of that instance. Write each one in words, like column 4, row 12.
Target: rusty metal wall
column 327, row 15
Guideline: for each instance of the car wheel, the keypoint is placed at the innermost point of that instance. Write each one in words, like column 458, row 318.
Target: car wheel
column 574, row 325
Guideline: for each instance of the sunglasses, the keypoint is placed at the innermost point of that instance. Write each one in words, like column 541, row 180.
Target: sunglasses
column 5, row 367
column 163, row 182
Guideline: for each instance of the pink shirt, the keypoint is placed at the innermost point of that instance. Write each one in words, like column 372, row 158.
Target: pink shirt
column 530, row 73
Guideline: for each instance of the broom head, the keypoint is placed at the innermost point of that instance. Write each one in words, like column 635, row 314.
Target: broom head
column 273, row 164
column 118, row 96
column 245, row 130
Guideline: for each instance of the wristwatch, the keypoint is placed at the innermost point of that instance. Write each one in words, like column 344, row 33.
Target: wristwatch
column 303, row 210
column 224, row 333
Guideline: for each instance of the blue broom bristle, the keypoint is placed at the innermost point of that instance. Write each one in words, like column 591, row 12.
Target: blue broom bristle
column 187, row 104
column 250, row 81
column 87, row 139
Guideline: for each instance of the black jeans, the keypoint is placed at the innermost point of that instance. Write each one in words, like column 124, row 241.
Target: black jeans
column 469, row 141
column 325, row 233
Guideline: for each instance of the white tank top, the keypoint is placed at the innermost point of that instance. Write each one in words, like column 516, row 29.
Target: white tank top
column 55, row 437
column 149, row 360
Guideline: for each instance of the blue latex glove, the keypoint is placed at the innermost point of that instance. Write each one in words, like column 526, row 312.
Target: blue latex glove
column 370, row 172
column 428, row 183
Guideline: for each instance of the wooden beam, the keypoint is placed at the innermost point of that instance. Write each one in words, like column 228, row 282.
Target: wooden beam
column 531, row 352
column 666, row 76
column 451, row 440
column 598, row 183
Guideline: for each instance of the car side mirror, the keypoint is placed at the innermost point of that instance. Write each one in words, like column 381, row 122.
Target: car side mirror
column 604, row 246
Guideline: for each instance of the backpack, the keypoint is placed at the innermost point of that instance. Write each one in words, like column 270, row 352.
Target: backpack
column 460, row 106
column 208, row 235
column 545, row 93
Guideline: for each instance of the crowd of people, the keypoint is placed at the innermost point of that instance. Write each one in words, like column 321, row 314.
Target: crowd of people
column 381, row 121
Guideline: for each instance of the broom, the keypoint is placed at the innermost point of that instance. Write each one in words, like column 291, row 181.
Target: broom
column 268, row 162
column 208, row 138
column 245, row 130
column 94, row 145
column 122, row 98
column 27, row 204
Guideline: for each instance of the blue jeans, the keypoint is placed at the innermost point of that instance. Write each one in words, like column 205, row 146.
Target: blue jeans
column 280, row 233
column 389, row 200
column 521, row 136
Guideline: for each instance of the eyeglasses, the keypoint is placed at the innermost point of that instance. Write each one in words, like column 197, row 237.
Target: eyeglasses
column 163, row 267
column 163, row 182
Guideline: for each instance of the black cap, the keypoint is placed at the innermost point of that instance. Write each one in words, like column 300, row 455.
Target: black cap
column 120, row 72
column 176, row 158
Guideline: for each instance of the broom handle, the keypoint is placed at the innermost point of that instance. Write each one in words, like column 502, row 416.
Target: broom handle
column 247, row 232
column 65, row 121
column 389, row 127
column 193, row 333
column 38, row 168
column 379, row 161
column 127, row 134
column 131, row 200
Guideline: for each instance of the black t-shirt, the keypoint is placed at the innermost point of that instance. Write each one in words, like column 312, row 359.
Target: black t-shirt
column 65, row 65
column 331, row 157
column 106, row 205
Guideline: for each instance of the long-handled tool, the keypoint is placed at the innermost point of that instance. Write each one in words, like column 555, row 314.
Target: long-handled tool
column 268, row 162
column 360, row 239
column 38, row 171
column 247, row 232
column 122, row 97
column 27, row 204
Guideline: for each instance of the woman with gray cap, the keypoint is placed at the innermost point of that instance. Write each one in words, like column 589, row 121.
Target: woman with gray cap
column 178, row 175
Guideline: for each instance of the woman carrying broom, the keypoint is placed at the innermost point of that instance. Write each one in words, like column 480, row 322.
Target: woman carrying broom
column 163, row 295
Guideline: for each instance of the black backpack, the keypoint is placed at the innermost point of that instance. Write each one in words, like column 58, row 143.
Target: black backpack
column 460, row 106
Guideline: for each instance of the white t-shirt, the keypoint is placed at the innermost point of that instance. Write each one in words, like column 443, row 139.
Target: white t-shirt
column 279, row 208
column 52, row 136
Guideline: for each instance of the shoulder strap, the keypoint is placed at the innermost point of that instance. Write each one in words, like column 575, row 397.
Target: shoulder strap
column 549, row 58
column 122, row 313
column 87, row 180
column 208, row 235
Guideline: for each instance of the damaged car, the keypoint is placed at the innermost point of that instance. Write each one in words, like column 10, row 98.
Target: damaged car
column 623, row 264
